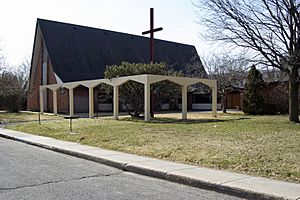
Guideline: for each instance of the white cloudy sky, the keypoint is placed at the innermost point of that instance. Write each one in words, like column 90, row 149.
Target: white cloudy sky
column 18, row 18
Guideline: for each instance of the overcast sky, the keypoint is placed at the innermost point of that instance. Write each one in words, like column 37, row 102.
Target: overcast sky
column 18, row 19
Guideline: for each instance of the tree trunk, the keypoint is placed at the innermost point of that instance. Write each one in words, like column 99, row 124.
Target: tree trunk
column 293, row 95
column 224, row 101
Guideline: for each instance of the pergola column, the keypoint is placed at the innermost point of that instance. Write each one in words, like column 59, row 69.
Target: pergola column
column 55, row 101
column 214, row 100
column 41, row 101
column 147, row 101
column 91, row 102
column 184, row 102
column 116, row 102
column 71, row 102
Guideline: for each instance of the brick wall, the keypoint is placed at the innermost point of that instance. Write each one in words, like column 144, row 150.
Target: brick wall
column 50, row 80
column 62, row 94
column 63, row 100
column 33, row 93
column 81, row 99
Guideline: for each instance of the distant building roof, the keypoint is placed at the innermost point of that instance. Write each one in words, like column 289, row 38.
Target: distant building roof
column 273, row 75
column 82, row 53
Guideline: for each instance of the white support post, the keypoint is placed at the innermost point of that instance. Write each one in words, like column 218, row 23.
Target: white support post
column 184, row 102
column 41, row 101
column 91, row 102
column 147, row 101
column 214, row 100
column 116, row 102
column 71, row 102
column 55, row 102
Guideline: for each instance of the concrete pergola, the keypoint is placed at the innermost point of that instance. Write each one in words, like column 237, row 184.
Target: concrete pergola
column 146, row 79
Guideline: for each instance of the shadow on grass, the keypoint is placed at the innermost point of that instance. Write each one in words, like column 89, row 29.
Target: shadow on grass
column 163, row 120
column 42, row 125
column 20, row 121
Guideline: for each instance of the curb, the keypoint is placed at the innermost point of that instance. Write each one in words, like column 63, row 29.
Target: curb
column 235, row 191
column 238, row 192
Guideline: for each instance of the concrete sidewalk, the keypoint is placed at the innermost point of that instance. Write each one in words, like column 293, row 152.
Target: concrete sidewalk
column 225, row 182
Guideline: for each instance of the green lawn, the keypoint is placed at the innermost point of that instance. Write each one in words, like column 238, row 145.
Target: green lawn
column 258, row 145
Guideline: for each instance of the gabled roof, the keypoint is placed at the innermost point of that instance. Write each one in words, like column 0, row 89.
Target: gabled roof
column 82, row 53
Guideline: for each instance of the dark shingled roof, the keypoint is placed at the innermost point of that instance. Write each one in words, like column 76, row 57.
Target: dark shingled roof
column 82, row 53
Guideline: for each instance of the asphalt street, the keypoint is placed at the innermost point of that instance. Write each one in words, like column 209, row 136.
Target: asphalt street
column 29, row 172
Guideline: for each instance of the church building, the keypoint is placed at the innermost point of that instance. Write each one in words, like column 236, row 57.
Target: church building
column 66, row 52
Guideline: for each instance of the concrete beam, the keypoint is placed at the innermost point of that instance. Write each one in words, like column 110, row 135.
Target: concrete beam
column 116, row 102
column 146, row 79
column 55, row 102
column 184, row 102
column 91, row 102
column 41, row 101
column 147, row 101
column 71, row 102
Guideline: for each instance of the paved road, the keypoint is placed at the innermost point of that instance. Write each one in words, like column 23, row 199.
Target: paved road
column 28, row 172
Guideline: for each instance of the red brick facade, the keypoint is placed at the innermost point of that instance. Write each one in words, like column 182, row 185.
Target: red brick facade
column 62, row 94
column 33, row 93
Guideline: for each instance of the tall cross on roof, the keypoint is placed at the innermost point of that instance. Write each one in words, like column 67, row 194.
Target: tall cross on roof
column 151, row 31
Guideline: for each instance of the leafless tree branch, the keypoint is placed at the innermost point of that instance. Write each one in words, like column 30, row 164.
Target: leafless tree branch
column 269, row 27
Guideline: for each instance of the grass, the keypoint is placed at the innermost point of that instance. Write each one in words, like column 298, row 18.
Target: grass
column 6, row 117
column 266, row 146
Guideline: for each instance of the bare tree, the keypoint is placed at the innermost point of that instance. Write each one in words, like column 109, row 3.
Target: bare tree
column 22, row 72
column 268, row 27
column 229, row 70
column 2, row 61
column 14, row 86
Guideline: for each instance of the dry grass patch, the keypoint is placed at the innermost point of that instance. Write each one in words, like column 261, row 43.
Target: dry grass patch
column 6, row 117
column 257, row 145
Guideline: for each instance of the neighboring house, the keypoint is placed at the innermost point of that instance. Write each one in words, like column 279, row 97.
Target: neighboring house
column 271, row 75
column 66, row 52
column 274, row 92
column 234, row 97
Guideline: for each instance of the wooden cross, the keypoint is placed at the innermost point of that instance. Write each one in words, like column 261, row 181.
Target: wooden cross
column 151, row 31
